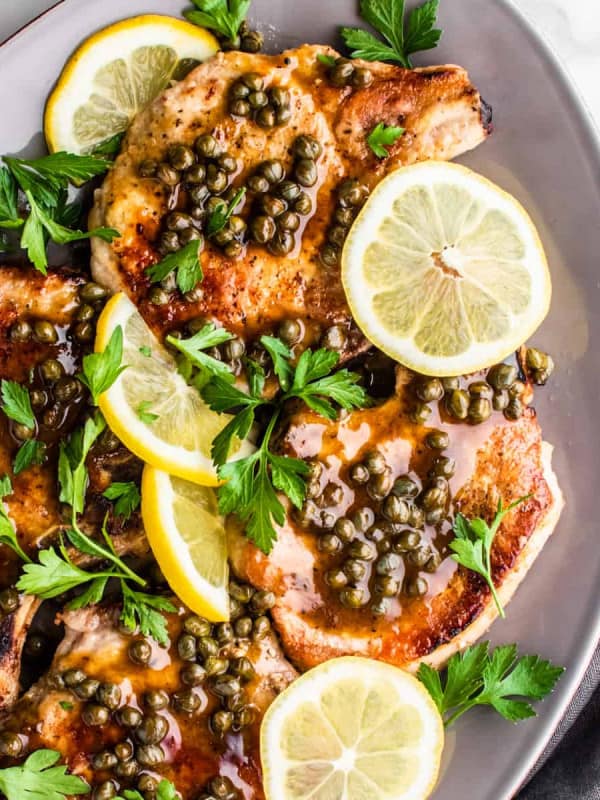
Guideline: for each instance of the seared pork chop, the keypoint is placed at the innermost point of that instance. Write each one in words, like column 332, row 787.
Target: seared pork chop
column 415, row 602
column 13, row 632
column 189, row 753
column 443, row 116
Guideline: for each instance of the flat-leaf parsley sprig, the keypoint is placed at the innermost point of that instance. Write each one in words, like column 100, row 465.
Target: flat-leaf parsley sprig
column 41, row 778
column 251, row 483
column 477, row 677
column 401, row 37
column 222, row 16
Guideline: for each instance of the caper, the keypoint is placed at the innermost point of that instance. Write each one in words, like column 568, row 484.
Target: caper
column 53, row 417
column 337, row 235
column 92, row 292
column 197, row 626
column 243, row 627
column 263, row 229
column 20, row 331
column 433, row 563
column 480, row 409
column 224, row 632
column 500, row 400
column 404, row 486
column 333, row 494
column 307, row 147
column 330, row 255
column 375, row 462
column 104, row 791
column 266, row 117
column 11, row 745
column 289, row 221
column 225, row 686
column 181, row 157
column 9, row 600
column 196, row 174
column 386, row 585
column 281, row 244
column 435, row 497
column 352, row 193
column 84, row 331
column 252, row 42
column 258, row 99
column 420, row 556
column 124, row 751
column 359, row 474
column 129, row 716
column 156, row 699
column 380, row 607
column 380, row 485
column 353, row 597
column 233, row 349
column 457, row 403
column 514, row 410
column 363, row 518
column 377, row 534
column 45, row 332
column 437, row 440
column 258, row 184
column 450, row 383
column 167, row 174
column 406, row 540
column 344, row 529
column 327, row 520
column 272, row 206
column 429, row 390
column 95, row 715
column 221, row 722
column 253, row 81
column 207, row 646
column 396, row 509
column 343, row 217
column 104, row 760
column 186, row 647
column 261, row 627
column 421, row 413
column 191, row 235
column 127, row 769
column 87, row 688
column 85, row 313
column 140, row 651
column 39, row 399
column 240, row 108
column 290, row 331
column 239, row 91
column 169, row 242
column 329, row 543
column 192, row 675
column 517, row 389
column 355, row 570
column 480, row 389
column 417, row 517
column 187, row 701
column 66, row 389
column 342, row 73
column 216, row 179
column 416, row 587
column 388, row 564
column 262, row 601
column 306, row 172
column 22, row 432
column 334, row 338
column 178, row 221
column 152, row 729
column 147, row 168
column 73, row 677
column 362, row 77
column 207, row 146
column 158, row 296
column 365, row 551
column 215, row 665
column 502, row 376
column 303, row 205
column 147, row 783
column 443, row 467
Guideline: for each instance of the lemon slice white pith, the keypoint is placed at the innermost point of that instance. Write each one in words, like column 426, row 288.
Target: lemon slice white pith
column 179, row 439
column 350, row 729
column 187, row 537
column 116, row 73
column 445, row 271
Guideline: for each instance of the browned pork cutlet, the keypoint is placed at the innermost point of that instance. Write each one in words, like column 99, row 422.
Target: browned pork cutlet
column 13, row 633
column 434, row 607
column 185, row 750
column 443, row 116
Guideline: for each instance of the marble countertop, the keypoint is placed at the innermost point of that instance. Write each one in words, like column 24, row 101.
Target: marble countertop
column 571, row 26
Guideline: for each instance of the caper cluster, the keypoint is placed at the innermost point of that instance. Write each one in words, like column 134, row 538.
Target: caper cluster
column 500, row 391
column 216, row 656
column 247, row 40
column 351, row 196
column 9, row 601
column 539, row 365
column 219, row 788
column 249, row 98
column 345, row 73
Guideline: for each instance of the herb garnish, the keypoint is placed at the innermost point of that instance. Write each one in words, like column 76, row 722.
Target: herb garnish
column 401, row 39
column 477, row 677
column 38, row 779
column 127, row 496
column 44, row 182
column 110, row 147
column 8, row 533
column 31, row 453
column 222, row 213
column 187, row 263
column 222, row 16
column 16, row 403
column 382, row 136
column 144, row 414
column 473, row 544
column 251, row 482
column 101, row 370
column 208, row 336
column 328, row 61
column 164, row 791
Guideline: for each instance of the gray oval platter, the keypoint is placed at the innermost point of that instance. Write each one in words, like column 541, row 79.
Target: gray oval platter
column 546, row 152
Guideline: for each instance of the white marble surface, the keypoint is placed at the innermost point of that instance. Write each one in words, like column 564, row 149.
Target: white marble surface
column 571, row 26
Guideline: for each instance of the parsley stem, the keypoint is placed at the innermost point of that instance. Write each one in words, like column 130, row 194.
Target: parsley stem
column 463, row 709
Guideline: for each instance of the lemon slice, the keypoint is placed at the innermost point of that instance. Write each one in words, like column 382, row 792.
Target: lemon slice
column 444, row 271
column 187, row 537
column 150, row 407
column 352, row 729
column 116, row 73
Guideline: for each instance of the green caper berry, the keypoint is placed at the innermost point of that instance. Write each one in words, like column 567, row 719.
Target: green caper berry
column 417, row 517
column 45, row 332
column 344, row 529
column 329, row 543
column 289, row 191
column 258, row 99
column 342, row 74
column 375, row 462
column 215, row 204
column 124, row 751
column 359, row 474
column 169, row 242
column 354, row 569
column 85, row 313
column 353, row 597
column 386, row 585
column 242, row 667
column 404, row 486
column 158, row 296
column 233, row 349
column 330, row 255
column 186, row 647
column 215, row 666
column 228, row 163
column 147, row 783
column 22, row 432
column 307, row 147
column 207, row 647
column 406, row 540
column 396, row 509
column 378, row 533
column 437, row 440
column 196, row 174
column 168, row 175
column 381, row 607
column 327, row 520
column 514, row 410
column 282, row 243
column 336, row 579
column 66, row 389
column 221, row 722
column 240, row 108
column 129, row 717
column 216, row 180
column 92, row 292
column 306, row 172
column 87, row 688
column 21, row 331
column 480, row 410
column 181, row 157
column 303, row 205
column 197, row 626
column 198, row 213
column 156, row 699
column 53, row 417
column 237, row 225
column 344, row 217
column 480, row 389
column 104, row 760
column 262, row 601
column 261, row 627
column 192, row 675
column 127, row 769
column 253, row 81
column 337, row 235
column 443, row 467
column 11, row 745
column 272, row 206
column 95, row 715
column 239, row 91
column 241, row 591
column 243, row 627
column 279, row 97
column 152, row 729
column 252, row 42
column 362, row 78
column 433, row 563
column 289, row 221
column 421, row 413
column 266, row 117
column 191, row 235
column 104, row 791
column 258, row 184
column 140, row 651
column 224, row 632
column 435, row 497
column 290, row 331
column 517, row 389
column 457, row 403
column 363, row 518
column 435, row 515
column 365, row 551
column 450, row 384
column 536, row 359
column 379, row 486
column 178, row 221
column 500, row 400
column 352, row 194
column 9, row 600
column 147, row 168
column 187, row 701
column 198, row 195
column 429, row 390
column 420, row 556
column 39, row 399
column 207, row 146
column 388, row 564
column 416, row 587
column 333, row 494
column 73, row 677
column 502, row 376
column 225, row 686
column 283, row 115
column 84, row 332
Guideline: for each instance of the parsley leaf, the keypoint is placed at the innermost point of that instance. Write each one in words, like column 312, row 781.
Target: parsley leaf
column 58, row 169
column 110, row 147
column 9, row 212
column 65, row 705
column 164, row 791
column 144, row 413
column 192, row 349
column 16, row 403
column 101, row 370
column 387, row 18
column 127, row 496
column 143, row 611
column 146, row 351
column 219, row 217
column 473, row 544
column 222, row 16
column 328, row 61
column 31, row 453
column 187, row 263
column 8, row 533
column 39, row 779
column 280, row 355
column 476, row 677
column 72, row 472
column 383, row 135
column 256, row 377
